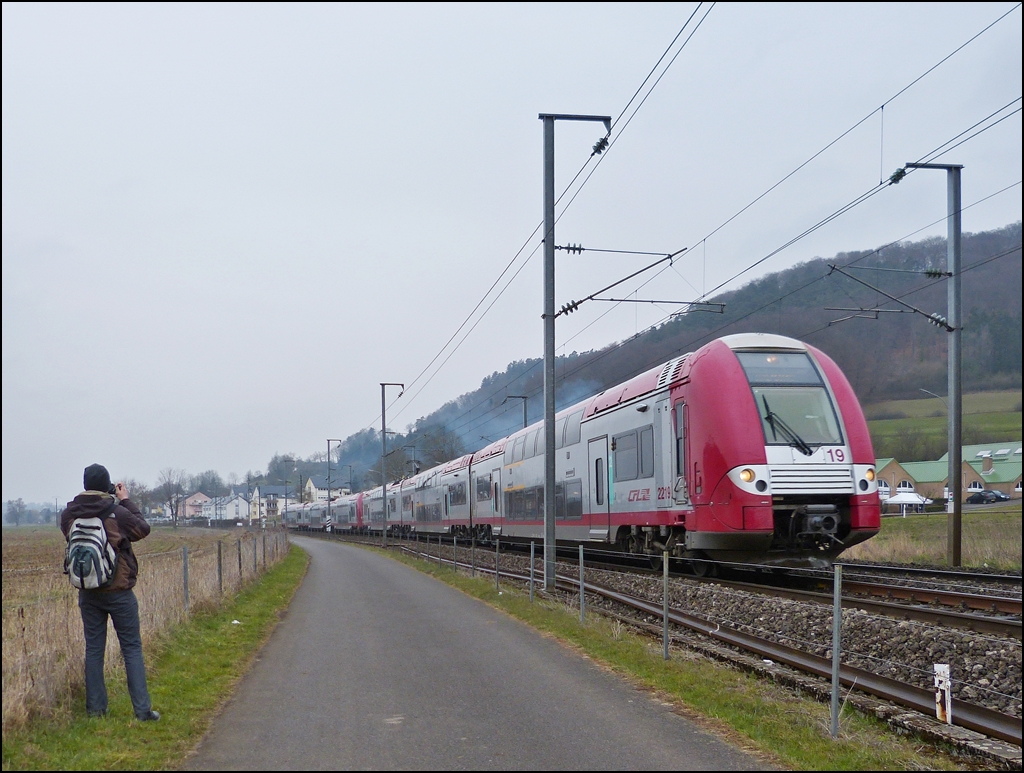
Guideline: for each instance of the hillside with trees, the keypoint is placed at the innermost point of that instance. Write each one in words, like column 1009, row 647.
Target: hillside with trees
column 887, row 354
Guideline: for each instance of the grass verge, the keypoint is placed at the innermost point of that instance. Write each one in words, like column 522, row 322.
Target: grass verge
column 784, row 730
column 192, row 672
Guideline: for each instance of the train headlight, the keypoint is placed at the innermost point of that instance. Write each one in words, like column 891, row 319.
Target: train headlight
column 870, row 474
column 753, row 479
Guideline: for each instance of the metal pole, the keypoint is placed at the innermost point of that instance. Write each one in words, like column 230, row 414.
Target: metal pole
column 664, row 611
column 220, row 568
column 954, row 524
column 383, row 459
column 329, row 521
column 533, row 546
column 549, row 334
column 549, row 352
column 837, row 624
column 184, row 566
column 954, row 507
column 582, row 587
column 497, row 552
column 239, row 561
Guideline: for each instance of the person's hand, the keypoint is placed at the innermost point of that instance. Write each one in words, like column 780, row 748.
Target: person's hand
column 121, row 491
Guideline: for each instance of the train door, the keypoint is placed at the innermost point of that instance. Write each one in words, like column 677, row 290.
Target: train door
column 680, row 489
column 496, row 495
column 600, row 496
column 664, row 439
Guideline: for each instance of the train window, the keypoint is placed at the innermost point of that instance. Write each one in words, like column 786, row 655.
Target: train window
column 647, row 451
column 517, row 449
column 572, row 428
column 532, row 502
column 680, row 439
column 559, row 431
column 625, row 451
column 457, row 493
column 778, row 368
column 531, row 444
column 791, row 415
column 514, row 505
column 599, row 480
column 406, row 503
column 574, row 499
column 483, row 489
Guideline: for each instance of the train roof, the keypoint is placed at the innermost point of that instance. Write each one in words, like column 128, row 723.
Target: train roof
column 457, row 464
column 761, row 341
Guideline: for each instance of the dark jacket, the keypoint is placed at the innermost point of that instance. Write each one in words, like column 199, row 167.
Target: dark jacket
column 125, row 527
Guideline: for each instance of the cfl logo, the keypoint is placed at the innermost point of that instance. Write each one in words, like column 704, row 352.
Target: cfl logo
column 640, row 495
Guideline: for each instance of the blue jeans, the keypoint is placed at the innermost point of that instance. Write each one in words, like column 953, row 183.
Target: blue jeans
column 123, row 608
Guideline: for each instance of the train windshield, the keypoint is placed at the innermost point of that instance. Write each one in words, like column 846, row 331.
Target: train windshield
column 794, row 406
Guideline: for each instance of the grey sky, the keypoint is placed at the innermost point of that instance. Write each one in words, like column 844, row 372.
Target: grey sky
column 225, row 225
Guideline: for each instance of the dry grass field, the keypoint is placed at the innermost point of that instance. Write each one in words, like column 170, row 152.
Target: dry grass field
column 43, row 648
column 990, row 538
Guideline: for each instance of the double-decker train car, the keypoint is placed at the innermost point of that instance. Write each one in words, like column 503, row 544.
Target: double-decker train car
column 751, row 449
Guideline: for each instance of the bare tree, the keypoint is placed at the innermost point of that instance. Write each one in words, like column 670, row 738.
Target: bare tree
column 140, row 493
column 170, row 489
column 15, row 511
column 442, row 445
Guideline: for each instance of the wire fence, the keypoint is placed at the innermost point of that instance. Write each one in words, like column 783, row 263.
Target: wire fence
column 43, row 644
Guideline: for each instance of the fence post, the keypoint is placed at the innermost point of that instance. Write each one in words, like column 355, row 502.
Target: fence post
column 837, row 623
column 533, row 546
column 220, row 567
column 497, row 552
column 455, row 554
column 664, row 611
column 239, row 562
column 582, row 586
column 255, row 568
column 472, row 555
column 184, row 563
column 439, row 538
column 264, row 551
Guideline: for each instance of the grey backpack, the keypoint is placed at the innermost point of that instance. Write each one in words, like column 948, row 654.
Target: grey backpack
column 90, row 561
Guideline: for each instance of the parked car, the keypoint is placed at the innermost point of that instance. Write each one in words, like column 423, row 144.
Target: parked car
column 986, row 497
column 999, row 495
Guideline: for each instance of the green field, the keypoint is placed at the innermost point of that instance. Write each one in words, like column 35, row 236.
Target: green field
column 977, row 402
column 916, row 430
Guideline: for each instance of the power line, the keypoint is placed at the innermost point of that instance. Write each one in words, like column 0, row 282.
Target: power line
column 538, row 227
column 834, row 215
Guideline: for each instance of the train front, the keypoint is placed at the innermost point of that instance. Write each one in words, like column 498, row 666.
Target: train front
column 788, row 466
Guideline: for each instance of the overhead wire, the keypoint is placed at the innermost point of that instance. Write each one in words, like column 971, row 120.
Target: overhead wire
column 540, row 225
column 860, row 199
column 834, row 215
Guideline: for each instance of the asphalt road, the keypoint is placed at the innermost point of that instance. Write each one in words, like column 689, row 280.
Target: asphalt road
column 377, row 666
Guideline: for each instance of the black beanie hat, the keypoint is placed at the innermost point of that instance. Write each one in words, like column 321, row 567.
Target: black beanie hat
column 96, row 478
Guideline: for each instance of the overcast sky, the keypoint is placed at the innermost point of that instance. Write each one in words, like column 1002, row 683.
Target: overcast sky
column 225, row 225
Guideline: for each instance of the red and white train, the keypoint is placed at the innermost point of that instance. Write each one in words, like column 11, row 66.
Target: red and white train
column 751, row 449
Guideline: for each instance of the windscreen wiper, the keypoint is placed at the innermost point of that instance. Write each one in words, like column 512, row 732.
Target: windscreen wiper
column 778, row 425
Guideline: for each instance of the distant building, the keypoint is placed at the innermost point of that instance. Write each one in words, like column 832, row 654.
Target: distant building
column 985, row 466
column 234, row 507
column 192, row 506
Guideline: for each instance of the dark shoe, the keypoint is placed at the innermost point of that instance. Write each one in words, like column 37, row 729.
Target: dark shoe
column 97, row 713
column 150, row 716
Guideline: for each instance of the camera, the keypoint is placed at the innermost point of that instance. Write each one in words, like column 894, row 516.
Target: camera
column 113, row 489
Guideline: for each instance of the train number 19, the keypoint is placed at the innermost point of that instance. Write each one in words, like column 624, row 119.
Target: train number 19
column 835, row 454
